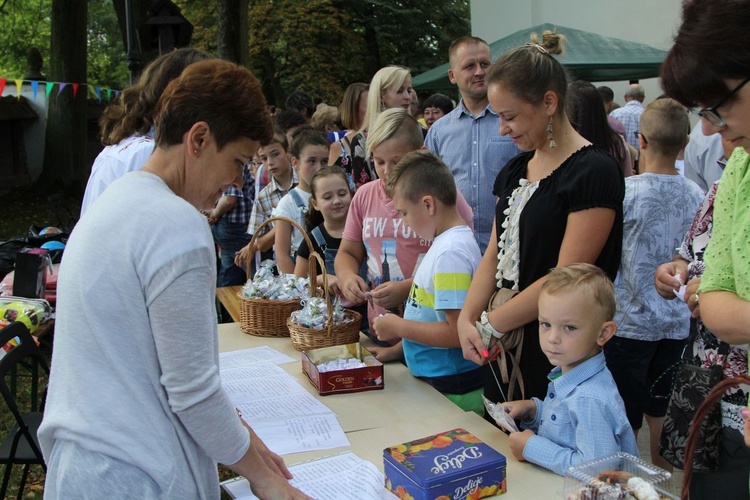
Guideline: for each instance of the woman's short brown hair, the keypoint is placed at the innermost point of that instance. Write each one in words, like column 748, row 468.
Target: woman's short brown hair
column 711, row 45
column 349, row 109
column 226, row 96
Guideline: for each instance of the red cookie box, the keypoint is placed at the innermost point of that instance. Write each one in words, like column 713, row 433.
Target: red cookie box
column 452, row 465
column 341, row 381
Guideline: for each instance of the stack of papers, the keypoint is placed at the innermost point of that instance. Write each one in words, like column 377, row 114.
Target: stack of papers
column 339, row 477
column 282, row 412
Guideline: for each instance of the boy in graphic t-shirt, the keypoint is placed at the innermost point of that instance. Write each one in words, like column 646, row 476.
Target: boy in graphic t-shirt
column 424, row 192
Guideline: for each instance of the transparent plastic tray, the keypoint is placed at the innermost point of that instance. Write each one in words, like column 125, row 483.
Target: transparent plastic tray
column 599, row 478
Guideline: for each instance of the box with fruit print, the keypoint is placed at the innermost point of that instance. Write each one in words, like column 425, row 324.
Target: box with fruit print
column 452, row 465
column 324, row 368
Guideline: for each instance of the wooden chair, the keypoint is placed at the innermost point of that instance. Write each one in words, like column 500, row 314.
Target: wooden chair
column 21, row 445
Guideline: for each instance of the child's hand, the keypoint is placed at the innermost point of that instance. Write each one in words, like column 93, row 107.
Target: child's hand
column 240, row 258
column 333, row 285
column 522, row 409
column 517, row 442
column 353, row 288
column 690, row 296
column 385, row 354
column 386, row 327
column 391, row 294
column 746, row 415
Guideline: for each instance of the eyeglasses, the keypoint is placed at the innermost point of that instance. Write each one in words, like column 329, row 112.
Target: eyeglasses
column 711, row 115
column 638, row 133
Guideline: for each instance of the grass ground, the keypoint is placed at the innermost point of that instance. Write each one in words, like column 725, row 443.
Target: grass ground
column 22, row 208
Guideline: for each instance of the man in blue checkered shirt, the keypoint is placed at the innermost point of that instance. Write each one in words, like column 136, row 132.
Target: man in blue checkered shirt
column 229, row 221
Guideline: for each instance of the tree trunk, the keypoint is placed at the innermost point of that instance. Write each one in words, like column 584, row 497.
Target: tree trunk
column 65, row 142
column 372, row 49
column 232, row 31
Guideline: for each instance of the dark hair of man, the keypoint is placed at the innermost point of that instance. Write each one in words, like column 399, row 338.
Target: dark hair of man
column 289, row 119
column 298, row 100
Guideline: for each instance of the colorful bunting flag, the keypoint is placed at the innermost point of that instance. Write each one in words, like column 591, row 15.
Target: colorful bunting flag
column 93, row 91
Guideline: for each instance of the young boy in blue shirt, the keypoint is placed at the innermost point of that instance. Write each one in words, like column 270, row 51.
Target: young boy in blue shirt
column 424, row 192
column 583, row 416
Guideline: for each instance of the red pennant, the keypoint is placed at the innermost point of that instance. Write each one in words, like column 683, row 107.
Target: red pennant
column 2, row 85
column 75, row 90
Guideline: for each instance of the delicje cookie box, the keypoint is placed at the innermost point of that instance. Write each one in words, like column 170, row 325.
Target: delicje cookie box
column 452, row 465
column 366, row 378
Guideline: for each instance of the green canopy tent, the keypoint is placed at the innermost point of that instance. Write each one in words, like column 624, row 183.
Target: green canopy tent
column 588, row 56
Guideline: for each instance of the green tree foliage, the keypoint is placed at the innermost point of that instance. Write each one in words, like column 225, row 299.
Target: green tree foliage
column 27, row 23
column 322, row 46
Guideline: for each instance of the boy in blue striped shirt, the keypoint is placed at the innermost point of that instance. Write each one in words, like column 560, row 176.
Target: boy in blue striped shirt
column 583, row 416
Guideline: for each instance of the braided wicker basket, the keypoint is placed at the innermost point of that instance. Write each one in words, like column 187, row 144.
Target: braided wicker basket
column 304, row 338
column 264, row 317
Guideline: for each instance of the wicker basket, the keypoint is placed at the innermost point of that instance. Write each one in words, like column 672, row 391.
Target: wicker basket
column 304, row 338
column 264, row 317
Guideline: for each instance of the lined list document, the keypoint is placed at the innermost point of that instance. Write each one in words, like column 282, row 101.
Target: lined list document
column 283, row 413
column 338, row 477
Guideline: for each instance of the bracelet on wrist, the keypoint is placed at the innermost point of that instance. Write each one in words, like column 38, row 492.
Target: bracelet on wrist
column 485, row 320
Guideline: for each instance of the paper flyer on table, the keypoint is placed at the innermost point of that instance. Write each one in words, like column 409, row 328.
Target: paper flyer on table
column 339, row 477
column 248, row 390
column 287, row 406
column 261, row 354
column 297, row 435
column 257, row 370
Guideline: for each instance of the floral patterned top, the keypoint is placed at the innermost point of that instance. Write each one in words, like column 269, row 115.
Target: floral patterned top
column 358, row 169
column 706, row 345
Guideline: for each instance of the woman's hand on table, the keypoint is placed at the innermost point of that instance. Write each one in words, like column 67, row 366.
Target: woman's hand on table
column 691, row 296
column 517, row 442
column 670, row 277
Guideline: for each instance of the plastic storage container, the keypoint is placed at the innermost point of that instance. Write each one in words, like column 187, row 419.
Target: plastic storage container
column 612, row 477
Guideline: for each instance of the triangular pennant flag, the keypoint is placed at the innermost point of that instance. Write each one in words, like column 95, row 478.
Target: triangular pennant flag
column 48, row 88
column 34, row 88
column 109, row 94
column 98, row 91
column 60, row 88
column 3, row 81
column 117, row 94
column 75, row 90
column 19, row 85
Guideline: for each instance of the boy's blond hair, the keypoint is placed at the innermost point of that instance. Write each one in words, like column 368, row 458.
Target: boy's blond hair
column 665, row 126
column 391, row 122
column 421, row 173
column 586, row 278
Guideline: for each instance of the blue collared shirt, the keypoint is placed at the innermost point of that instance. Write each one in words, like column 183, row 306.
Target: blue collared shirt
column 474, row 150
column 581, row 419
column 629, row 115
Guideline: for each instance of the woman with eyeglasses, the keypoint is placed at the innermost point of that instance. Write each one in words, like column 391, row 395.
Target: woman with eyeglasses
column 709, row 68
